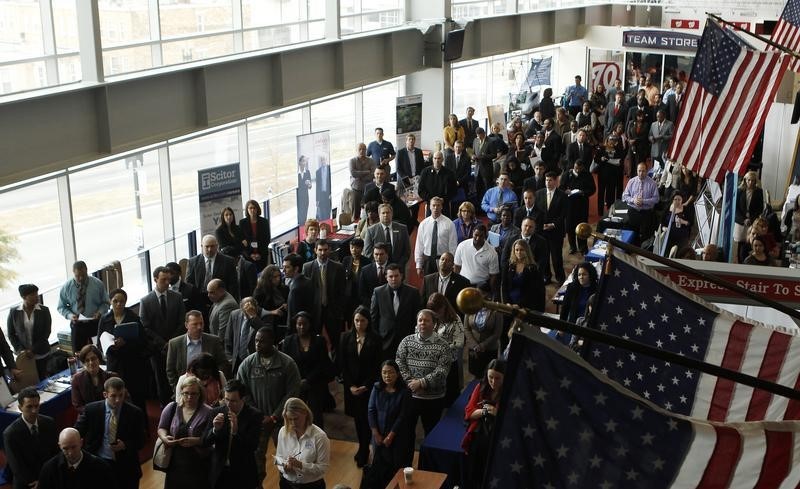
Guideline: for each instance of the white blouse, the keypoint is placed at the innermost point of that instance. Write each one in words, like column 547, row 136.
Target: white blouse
column 313, row 449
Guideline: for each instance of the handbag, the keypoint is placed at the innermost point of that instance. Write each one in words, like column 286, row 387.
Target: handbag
column 594, row 167
column 162, row 454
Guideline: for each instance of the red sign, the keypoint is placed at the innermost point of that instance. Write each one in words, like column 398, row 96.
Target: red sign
column 605, row 72
column 684, row 24
column 741, row 25
column 784, row 290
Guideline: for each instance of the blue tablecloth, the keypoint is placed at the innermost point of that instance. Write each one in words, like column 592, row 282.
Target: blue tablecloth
column 441, row 449
column 598, row 251
column 56, row 407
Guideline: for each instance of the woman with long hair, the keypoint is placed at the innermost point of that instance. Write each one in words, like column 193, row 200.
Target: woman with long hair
column 388, row 411
column 452, row 132
column 679, row 220
column 749, row 206
column 609, row 175
column 582, row 286
column 271, row 294
column 303, row 451
column 480, row 415
column 228, row 233
column 205, row 369
column 758, row 255
column 466, row 221
column 521, row 282
column 359, row 358
column 448, row 325
column 256, row 234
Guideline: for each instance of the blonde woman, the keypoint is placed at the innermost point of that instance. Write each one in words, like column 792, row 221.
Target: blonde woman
column 452, row 132
column 749, row 205
column 303, row 451
column 182, row 425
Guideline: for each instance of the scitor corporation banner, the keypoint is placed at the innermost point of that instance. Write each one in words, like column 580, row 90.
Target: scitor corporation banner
column 217, row 188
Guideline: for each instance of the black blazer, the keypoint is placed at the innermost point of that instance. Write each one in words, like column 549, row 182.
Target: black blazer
column 533, row 290
column 228, row 240
column 92, row 472
column 247, row 274
column 521, row 212
column 25, row 454
column 372, row 193
column 457, row 283
column 315, row 365
column 130, row 429
column 569, row 308
column 556, row 214
column 243, row 471
column 192, row 297
column 393, row 327
column 351, row 279
column 160, row 330
column 358, row 369
column 574, row 153
column 42, row 322
column 461, row 166
column 261, row 238
column 224, row 269
column 334, row 281
column 368, row 281
column 301, row 297
column 404, row 163
column 754, row 210
column 127, row 360
column 538, row 245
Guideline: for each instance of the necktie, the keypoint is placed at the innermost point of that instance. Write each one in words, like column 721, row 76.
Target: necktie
column 380, row 274
column 580, row 147
column 323, row 287
column 112, row 427
column 163, row 302
column 549, row 198
column 244, row 339
column 396, row 300
column 82, row 296
column 34, row 430
column 388, row 237
column 435, row 239
column 359, row 344
column 209, row 271
column 442, row 285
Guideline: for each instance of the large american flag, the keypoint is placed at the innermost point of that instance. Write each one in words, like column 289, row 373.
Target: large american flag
column 729, row 94
column 562, row 424
column 638, row 304
column 787, row 31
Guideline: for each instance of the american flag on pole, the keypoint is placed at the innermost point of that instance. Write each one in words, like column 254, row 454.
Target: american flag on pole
column 727, row 99
column 562, row 424
column 787, row 31
column 638, row 304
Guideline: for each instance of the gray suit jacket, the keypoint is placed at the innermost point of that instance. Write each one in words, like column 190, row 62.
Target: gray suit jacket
column 660, row 145
column 159, row 329
column 233, row 335
column 401, row 246
column 176, row 356
column 220, row 315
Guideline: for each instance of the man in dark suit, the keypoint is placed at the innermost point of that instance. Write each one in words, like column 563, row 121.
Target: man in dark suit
column 641, row 105
column 192, row 298
column 674, row 101
column 394, row 310
column 323, row 188
column 438, row 181
column 185, row 348
column 114, row 430
column 536, row 182
column 394, row 234
column 580, row 150
column 29, row 441
column 470, row 126
column 553, row 148
column 459, row 163
column 327, row 280
column 301, row 292
column 221, row 266
column 75, row 468
column 373, row 275
column 247, row 274
column 552, row 204
column 537, row 242
column 162, row 313
column 445, row 281
column 234, row 433
column 244, row 323
column 410, row 161
column 616, row 112
column 372, row 190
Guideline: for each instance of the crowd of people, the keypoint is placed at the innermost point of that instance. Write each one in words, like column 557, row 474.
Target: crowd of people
column 240, row 351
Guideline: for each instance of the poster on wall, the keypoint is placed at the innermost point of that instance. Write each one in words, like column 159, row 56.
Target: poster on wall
column 605, row 72
column 409, row 119
column 217, row 188
column 313, row 176
column 497, row 113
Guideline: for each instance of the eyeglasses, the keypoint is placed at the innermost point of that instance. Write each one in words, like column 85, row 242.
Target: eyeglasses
column 190, row 394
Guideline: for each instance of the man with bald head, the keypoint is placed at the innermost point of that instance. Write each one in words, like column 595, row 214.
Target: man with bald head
column 74, row 467
column 438, row 181
column 211, row 264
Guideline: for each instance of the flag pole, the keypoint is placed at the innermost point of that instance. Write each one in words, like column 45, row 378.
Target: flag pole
column 584, row 230
column 763, row 39
column 470, row 301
